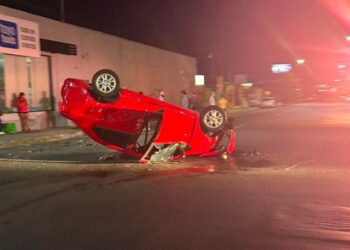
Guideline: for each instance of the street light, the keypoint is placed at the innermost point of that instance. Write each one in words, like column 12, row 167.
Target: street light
column 300, row 61
column 347, row 38
column 211, row 74
column 62, row 8
column 341, row 66
column 210, row 58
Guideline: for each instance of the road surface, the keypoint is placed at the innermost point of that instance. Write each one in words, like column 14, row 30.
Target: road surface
column 286, row 187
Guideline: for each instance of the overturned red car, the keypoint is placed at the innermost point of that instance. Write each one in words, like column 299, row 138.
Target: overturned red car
column 142, row 126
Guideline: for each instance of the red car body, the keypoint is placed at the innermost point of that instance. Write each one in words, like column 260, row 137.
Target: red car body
column 119, row 124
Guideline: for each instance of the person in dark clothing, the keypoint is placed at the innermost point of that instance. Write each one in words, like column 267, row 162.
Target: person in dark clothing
column 2, row 125
column 185, row 101
column 194, row 101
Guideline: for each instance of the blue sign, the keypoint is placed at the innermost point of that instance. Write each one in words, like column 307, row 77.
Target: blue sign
column 8, row 34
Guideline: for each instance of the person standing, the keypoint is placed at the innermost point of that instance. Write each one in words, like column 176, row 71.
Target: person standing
column 223, row 103
column 185, row 101
column 194, row 101
column 23, row 109
column 212, row 98
column 2, row 125
column 161, row 95
column 45, row 102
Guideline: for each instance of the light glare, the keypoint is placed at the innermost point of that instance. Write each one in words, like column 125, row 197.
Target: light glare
column 199, row 80
column 300, row 61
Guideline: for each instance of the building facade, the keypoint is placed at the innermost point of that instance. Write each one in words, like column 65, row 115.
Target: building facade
column 68, row 51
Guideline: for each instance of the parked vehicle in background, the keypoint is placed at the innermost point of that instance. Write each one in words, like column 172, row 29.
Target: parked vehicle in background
column 143, row 126
column 268, row 102
column 346, row 98
column 254, row 102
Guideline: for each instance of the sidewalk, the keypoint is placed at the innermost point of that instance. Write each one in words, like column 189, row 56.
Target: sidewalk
column 38, row 136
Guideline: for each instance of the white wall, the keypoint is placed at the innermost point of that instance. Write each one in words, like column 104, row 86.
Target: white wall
column 140, row 67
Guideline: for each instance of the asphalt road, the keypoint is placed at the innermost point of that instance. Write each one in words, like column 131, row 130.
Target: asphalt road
column 286, row 187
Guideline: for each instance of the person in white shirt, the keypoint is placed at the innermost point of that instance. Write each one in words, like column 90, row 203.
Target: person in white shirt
column 212, row 98
column 161, row 95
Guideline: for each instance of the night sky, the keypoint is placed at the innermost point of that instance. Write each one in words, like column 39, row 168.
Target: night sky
column 243, row 36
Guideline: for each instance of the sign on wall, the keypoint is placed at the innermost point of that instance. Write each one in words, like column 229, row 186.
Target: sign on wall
column 281, row 68
column 199, row 80
column 19, row 37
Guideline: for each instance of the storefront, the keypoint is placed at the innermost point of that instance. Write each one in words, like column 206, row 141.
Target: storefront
column 23, row 68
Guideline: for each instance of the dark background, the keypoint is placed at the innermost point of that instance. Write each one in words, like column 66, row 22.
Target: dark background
column 242, row 36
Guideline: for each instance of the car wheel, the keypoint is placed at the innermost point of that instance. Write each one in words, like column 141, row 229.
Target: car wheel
column 105, row 85
column 213, row 119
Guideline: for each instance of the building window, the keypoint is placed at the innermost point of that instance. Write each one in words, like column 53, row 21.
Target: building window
column 25, row 74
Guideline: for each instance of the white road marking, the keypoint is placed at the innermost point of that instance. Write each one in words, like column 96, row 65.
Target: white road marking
column 298, row 164
column 37, row 161
column 240, row 126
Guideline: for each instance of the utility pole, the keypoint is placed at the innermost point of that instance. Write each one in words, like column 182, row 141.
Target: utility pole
column 63, row 19
column 211, row 71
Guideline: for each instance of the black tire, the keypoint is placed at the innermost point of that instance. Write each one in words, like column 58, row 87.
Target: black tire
column 213, row 119
column 105, row 85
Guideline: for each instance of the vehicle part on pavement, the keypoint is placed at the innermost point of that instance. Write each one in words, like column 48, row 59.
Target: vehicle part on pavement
column 143, row 126
column 105, row 85
column 167, row 152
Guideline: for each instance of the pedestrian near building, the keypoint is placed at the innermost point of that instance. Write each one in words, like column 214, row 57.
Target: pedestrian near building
column 223, row 102
column 161, row 95
column 212, row 100
column 46, row 105
column 185, row 101
column 194, row 101
column 23, row 109
column 2, row 125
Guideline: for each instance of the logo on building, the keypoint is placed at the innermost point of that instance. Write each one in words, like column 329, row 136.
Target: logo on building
column 8, row 34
